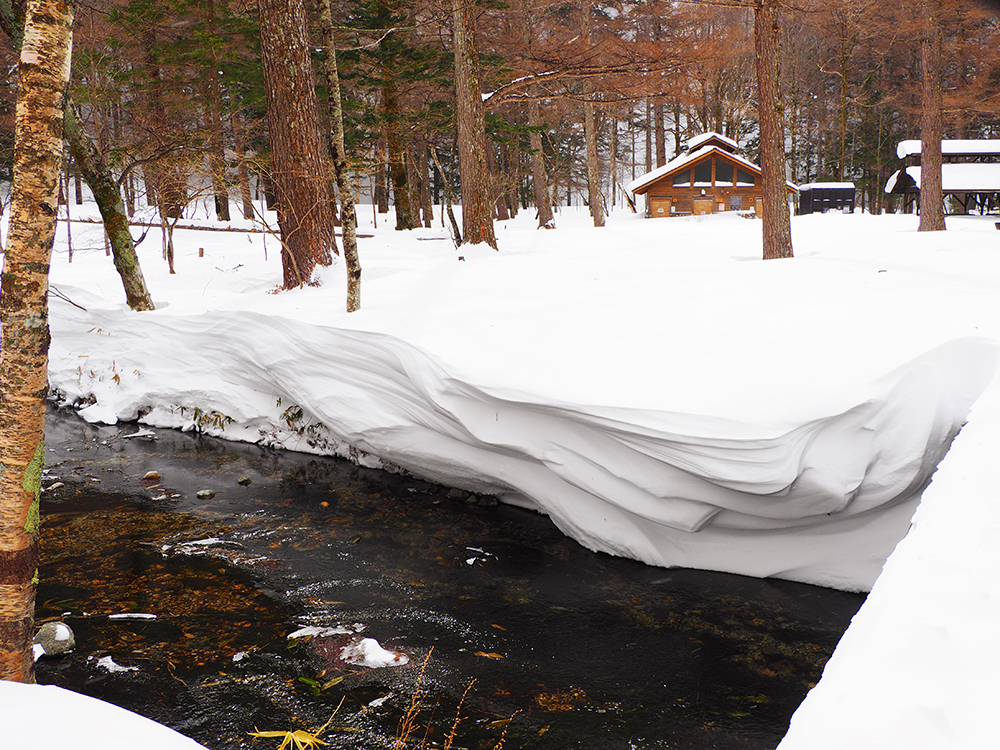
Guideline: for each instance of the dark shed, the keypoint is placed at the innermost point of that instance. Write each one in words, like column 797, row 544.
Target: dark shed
column 817, row 197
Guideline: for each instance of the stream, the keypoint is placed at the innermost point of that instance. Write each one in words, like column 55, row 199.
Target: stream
column 512, row 635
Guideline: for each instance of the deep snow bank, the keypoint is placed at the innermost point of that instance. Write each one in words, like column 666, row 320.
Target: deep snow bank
column 824, row 501
column 917, row 668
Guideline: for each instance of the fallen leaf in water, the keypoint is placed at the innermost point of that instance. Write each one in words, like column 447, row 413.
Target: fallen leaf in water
column 489, row 655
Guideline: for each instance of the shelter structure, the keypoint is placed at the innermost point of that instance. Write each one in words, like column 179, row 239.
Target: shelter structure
column 817, row 197
column 970, row 175
column 709, row 177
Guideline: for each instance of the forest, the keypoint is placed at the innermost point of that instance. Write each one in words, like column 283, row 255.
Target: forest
column 578, row 97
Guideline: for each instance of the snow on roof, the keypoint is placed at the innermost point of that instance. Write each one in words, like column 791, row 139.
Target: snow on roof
column 682, row 161
column 698, row 140
column 822, row 185
column 956, row 178
column 952, row 147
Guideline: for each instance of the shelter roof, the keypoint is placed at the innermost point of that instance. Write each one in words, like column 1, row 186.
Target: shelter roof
column 955, row 178
column 983, row 147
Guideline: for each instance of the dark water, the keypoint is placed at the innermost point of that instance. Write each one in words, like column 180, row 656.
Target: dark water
column 583, row 650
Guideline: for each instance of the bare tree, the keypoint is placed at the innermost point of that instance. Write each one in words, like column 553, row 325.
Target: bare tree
column 43, row 77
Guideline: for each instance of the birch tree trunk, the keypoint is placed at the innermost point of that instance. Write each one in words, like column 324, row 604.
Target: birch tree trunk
column 777, row 230
column 931, row 197
column 477, row 209
column 345, row 180
column 299, row 166
column 43, row 74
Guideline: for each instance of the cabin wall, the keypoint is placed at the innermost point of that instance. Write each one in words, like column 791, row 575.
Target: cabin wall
column 667, row 200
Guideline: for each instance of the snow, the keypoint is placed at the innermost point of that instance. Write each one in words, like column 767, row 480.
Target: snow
column 956, row 177
column 826, row 185
column 653, row 386
column 368, row 653
column 49, row 716
column 951, row 147
column 695, row 142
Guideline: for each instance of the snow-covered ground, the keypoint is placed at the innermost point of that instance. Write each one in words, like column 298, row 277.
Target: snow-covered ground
column 653, row 386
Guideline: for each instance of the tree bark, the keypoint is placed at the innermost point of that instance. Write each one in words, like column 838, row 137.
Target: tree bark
column 345, row 180
column 299, row 166
column 109, row 200
column 242, row 173
column 43, row 77
column 931, row 196
column 594, row 197
column 477, row 214
column 216, row 141
column 539, row 180
column 397, row 154
column 777, row 230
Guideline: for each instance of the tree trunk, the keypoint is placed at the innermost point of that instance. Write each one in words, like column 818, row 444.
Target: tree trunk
column 594, row 197
column 217, row 149
column 539, row 180
column 931, row 197
column 109, row 201
column 345, row 179
column 299, row 166
column 242, row 173
column 477, row 214
column 659, row 132
column 397, row 154
column 426, row 204
column 593, row 165
column 777, row 230
column 43, row 77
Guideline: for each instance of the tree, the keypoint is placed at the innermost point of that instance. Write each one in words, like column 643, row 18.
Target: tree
column 345, row 181
column 299, row 167
column 477, row 214
column 931, row 199
column 777, row 230
column 98, row 176
column 44, row 74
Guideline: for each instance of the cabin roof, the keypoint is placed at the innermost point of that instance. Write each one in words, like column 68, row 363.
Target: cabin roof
column 698, row 141
column 641, row 185
column 983, row 147
column 955, row 178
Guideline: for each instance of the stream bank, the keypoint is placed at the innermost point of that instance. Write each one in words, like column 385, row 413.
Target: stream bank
column 182, row 607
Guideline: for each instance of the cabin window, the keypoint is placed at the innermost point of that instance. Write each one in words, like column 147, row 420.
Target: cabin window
column 723, row 173
column 744, row 178
column 682, row 179
column 703, row 174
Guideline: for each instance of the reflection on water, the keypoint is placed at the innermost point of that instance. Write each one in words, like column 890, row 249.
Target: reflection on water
column 583, row 650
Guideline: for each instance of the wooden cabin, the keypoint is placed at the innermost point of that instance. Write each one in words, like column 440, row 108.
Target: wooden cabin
column 970, row 175
column 710, row 177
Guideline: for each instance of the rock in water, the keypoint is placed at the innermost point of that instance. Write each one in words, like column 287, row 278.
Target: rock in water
column 55, row 639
